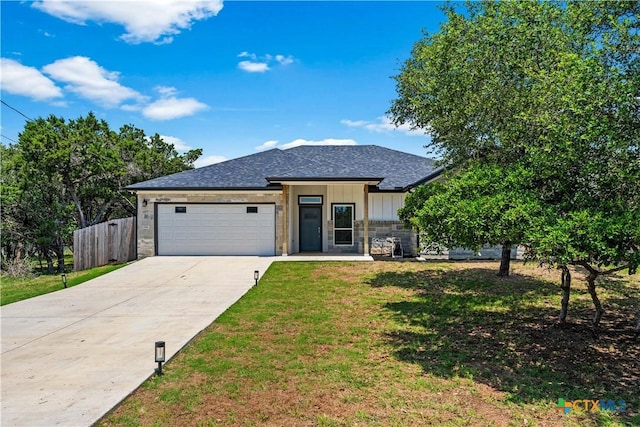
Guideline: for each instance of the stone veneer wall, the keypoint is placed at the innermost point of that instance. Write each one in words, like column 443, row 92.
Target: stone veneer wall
column 146, row 215
column 380, row 229
column 430, row 250
column 383, row 229
column 356, row 248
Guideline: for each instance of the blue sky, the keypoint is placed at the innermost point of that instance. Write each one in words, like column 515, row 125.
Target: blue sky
column 231, row 78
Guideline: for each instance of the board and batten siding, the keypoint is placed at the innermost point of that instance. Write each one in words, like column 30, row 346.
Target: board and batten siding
column 384, row 206
column 348, row 193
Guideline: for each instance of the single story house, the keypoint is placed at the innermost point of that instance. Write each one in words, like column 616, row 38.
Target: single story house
column 325, row 199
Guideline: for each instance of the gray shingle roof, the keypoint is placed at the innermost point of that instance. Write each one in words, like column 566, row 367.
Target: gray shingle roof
column 325, row 162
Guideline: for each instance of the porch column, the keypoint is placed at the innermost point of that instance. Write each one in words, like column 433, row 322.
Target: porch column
column 366, row 220
column 285, row 220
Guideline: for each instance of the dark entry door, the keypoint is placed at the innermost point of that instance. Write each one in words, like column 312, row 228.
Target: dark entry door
column 310, row 228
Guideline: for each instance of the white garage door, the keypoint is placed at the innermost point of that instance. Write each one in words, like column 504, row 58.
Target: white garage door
column 216, row 229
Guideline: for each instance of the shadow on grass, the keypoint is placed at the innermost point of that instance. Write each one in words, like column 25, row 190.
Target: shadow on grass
column 503, row 333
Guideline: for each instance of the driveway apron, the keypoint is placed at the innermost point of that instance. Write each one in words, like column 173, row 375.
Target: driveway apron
column 70, row 356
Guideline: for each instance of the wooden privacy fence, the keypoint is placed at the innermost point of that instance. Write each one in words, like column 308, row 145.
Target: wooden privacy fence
column 105, row 243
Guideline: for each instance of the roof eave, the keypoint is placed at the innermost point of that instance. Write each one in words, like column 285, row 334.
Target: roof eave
column 431, row 177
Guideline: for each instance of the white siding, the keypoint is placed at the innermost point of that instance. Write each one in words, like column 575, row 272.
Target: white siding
column 352, row 193
column 384, row 206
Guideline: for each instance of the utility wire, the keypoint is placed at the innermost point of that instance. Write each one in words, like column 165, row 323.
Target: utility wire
column 6, row 137
column 17, row 111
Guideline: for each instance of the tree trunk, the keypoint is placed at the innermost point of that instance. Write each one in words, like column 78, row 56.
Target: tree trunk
column 60, row 262
column 40, row 261
column 566, row 290
column 81, row 217
column 637, row 327
column 591, row 285
column 47, row 256
column 505, row 260
column 59, row 250
column 20, row 251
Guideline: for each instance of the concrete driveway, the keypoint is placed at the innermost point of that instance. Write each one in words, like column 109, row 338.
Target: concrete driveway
column 70, row 356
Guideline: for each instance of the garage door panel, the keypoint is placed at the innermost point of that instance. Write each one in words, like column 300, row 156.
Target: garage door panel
column 216, row 229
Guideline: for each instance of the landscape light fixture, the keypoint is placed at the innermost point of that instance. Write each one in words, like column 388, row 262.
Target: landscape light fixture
column 64, row 279
column 159, row 356
column 256, row 276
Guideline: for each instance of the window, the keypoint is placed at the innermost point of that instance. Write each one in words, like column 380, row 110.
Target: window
column 309, row 200
column 343, row 224
column 181, row 209
column 252, row 209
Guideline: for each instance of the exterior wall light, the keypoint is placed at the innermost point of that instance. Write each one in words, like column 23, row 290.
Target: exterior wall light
column 160, row 356
column 256, row 276
column 144, row 203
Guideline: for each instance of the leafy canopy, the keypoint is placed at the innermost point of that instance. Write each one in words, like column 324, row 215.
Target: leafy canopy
column 62, row 175
column 537, row 104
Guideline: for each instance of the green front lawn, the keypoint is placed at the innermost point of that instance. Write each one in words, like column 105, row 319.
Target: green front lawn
column 391, row 343
column 12, row 290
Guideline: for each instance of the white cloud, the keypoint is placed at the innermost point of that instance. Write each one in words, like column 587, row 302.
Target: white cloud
column 143, row 20
column 267, row 145
column 246, row 54
column 166, row 91
column 178, row 144
column 87, row 79
column 169, row 106
column 208, row 160
column 329, row 141
column 172, row 108
column 27, row 81
column 383, row 125
column 260, row 64
column 131, row 107
column 300, row 141
column 354, row 123
column 253, row 67
column 284, row 60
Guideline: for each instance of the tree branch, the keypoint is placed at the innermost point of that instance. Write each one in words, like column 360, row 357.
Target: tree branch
column 594, row 271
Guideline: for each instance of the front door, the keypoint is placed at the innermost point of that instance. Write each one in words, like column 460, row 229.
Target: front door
column 310, row 228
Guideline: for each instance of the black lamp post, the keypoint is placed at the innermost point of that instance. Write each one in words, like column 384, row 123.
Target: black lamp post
column 256, row 276
column 64, row 279
column 160, row 357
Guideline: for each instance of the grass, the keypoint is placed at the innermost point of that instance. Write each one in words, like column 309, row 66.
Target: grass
column 390, row 343
column 13, row 290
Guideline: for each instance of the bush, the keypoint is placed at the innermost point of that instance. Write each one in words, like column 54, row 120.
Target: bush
column 19, row 268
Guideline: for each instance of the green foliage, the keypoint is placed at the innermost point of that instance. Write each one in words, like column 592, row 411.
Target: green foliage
column 537, row 107
column 483, row 203
column 63, row 175
column 472, row 84
column 11, row 232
